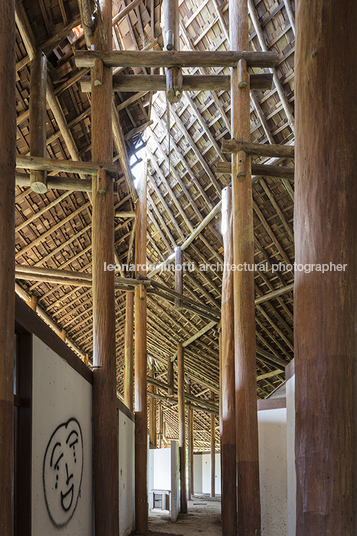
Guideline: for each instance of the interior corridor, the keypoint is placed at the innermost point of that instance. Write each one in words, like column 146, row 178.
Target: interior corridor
column 203, row 518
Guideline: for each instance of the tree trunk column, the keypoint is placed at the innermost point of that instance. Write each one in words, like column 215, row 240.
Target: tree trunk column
column 249, row 523
column 128, row 351
column 105, row 422
column 182, row 435
column 213, row 452
column 227, row 382
column 7, row 264
column 141, row 438
column 325, row 313
column 38, row 179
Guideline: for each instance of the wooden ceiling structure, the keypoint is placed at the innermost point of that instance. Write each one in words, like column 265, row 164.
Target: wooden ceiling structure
column 186, row 172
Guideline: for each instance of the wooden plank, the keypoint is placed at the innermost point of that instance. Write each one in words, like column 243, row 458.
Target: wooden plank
column 158, row 58
column 249, row 520
column 38, row 178
column 7, row 279
column 258, row 149
column 105, row 422
column 227, row 383
column 325, row 314
column 66, row 166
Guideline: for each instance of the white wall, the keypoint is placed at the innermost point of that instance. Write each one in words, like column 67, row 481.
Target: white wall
column 206, row 473
column 159, row 471
column 126, row 475
column 197, row 473
column 273, row 471
column 62, row 409
column 202, row 473
column 290, row 407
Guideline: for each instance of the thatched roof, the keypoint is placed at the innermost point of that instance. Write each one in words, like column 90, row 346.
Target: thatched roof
column 53, row 230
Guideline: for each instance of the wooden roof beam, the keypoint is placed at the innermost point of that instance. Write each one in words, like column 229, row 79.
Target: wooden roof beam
column 119, row 58
column 156, row 82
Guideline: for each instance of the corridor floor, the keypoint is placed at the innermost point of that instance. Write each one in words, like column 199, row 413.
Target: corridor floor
column 203, row 519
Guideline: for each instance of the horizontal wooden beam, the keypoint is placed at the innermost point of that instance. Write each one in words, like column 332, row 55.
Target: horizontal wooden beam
column 274, row 294
column 271, row 358
column 55, row 182
column 264, row 170
column 269, row 374
column 197, row 82
column 65, row 166
column 124, row 12
column 128, row 58
column 258, row 149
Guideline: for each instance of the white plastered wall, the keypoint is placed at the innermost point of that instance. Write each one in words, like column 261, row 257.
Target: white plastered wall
column 59, row 395
column 273, row 471
column 290, row 406
column 126, row 475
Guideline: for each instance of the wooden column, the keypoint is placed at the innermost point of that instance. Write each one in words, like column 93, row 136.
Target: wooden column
column 227, row 377
column 243, row 284
column 141, row 439
column 38, row 179
column 325, row 313
column 7, row 263
column 161, row 425
column 213, row 452
column 105, row 424
column 152, row 412
column 170, row 376
column 128, row 351
column 182, row 435
column 178, row 276
column 190, row 449
column 172, row 42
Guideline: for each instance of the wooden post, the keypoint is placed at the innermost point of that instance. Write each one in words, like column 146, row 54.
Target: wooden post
column 152, row 411
column 325, row 226
column 182, row 435
column 38, row 179
column 178, row 276
column 227, row 381
column 244, row 310
column 128, row 352
column 141, row 439
column 7, row 264
column 161, row 425
column 170, row 376
column 172, row 42
column 213, row 452
column 105, row 423
column 190, row 449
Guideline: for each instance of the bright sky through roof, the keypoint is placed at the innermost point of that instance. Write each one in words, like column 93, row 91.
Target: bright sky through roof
column 137, row 170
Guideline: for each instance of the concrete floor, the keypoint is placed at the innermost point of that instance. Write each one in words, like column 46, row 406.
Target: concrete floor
column 203, row 519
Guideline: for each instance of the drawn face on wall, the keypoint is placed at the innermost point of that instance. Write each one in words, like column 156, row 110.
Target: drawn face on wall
column 62, row 472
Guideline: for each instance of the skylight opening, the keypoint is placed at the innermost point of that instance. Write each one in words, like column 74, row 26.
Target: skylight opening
column 137, row 165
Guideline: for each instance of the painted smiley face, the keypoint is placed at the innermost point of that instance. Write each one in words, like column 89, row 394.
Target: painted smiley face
column 62, row 472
